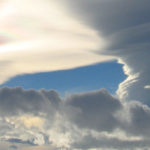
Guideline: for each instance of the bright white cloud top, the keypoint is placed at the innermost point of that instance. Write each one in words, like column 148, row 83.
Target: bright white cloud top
column 39, row 35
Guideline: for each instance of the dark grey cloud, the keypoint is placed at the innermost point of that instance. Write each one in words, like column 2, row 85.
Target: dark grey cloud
column 96, row 110
column 111, row 16
column 13, row 147
column 89, row 142
column 19, row 141
column 125, row 25
column 140, row 120
column 17, row 100
column 80, row 119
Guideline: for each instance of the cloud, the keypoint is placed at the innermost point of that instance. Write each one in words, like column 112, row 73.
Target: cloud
column 13, row 147
column 92, row 120
column 19, row 141
column 147, row 86
column 94, row 110
column 125, row 26
column 79, row 121
column 44, row 36
column 90, row 142
column 17, row 101
column 139, row 124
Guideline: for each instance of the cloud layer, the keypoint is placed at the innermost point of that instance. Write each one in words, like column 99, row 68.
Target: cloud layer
column 44, row 36
column 92, row 120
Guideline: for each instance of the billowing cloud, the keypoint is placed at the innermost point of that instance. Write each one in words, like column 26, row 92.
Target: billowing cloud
column 17, row 101
column 125, row 26
column 92, row 103
column 80, row 121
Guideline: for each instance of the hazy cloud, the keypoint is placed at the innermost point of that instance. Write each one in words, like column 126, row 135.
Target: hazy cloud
column 13, row 147
column 90, row 142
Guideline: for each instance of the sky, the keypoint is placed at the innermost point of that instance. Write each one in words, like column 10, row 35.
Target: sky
column 74, row 75
column 74, row 80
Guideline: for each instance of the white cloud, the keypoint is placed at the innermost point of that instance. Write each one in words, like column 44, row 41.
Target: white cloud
column 39, row 35
column 147, row 86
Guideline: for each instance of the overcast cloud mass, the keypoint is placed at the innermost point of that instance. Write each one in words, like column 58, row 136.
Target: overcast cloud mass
column 98, row 30
column 92, row 120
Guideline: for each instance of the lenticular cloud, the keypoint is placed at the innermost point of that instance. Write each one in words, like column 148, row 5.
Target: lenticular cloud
column 125, row 26
column 42, row 33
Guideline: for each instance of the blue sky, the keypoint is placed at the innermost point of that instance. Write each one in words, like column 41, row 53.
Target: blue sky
column 106, row 75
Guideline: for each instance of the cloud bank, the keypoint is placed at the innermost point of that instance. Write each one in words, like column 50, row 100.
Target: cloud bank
column 92, row 120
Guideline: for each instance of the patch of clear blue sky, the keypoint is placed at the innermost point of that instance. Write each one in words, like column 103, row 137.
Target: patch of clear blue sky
column 106, row 75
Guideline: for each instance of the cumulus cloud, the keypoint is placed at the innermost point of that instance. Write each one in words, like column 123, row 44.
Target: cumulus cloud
column 80, row 121
column 17, row 101
column 140, row 121
column 92, row 103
